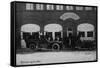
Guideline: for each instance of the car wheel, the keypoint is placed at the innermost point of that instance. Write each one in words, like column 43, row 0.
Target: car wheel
column 56, row 46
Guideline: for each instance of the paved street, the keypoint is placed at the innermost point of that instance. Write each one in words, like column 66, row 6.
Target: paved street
column 55, row 57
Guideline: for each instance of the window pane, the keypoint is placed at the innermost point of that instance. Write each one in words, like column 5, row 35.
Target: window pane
column 50, row 7
column 81, row 34
column 29, row 6
column 59, row 7
column 88, row 8
column 90, row 34
column 69, row 7
column 79, row 8
column 39, row 6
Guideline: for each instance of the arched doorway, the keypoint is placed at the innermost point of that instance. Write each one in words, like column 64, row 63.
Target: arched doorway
column 29, row 31
column 86, row 31
column 53, row 34
column 69, row 23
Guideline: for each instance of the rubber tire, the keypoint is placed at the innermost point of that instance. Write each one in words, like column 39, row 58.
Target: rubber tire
column 56, row 47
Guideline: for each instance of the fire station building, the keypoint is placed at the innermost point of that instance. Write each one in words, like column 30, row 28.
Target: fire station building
column 71, row 19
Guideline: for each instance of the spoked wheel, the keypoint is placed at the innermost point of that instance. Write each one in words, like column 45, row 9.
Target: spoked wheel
column 56, row 46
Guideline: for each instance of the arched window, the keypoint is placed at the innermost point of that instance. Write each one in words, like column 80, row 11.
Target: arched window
column 69, row 15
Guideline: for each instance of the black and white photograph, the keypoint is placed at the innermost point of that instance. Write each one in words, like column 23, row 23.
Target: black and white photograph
column 49, row 33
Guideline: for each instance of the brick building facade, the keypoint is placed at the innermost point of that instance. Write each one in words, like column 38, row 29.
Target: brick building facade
column 68, row 16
